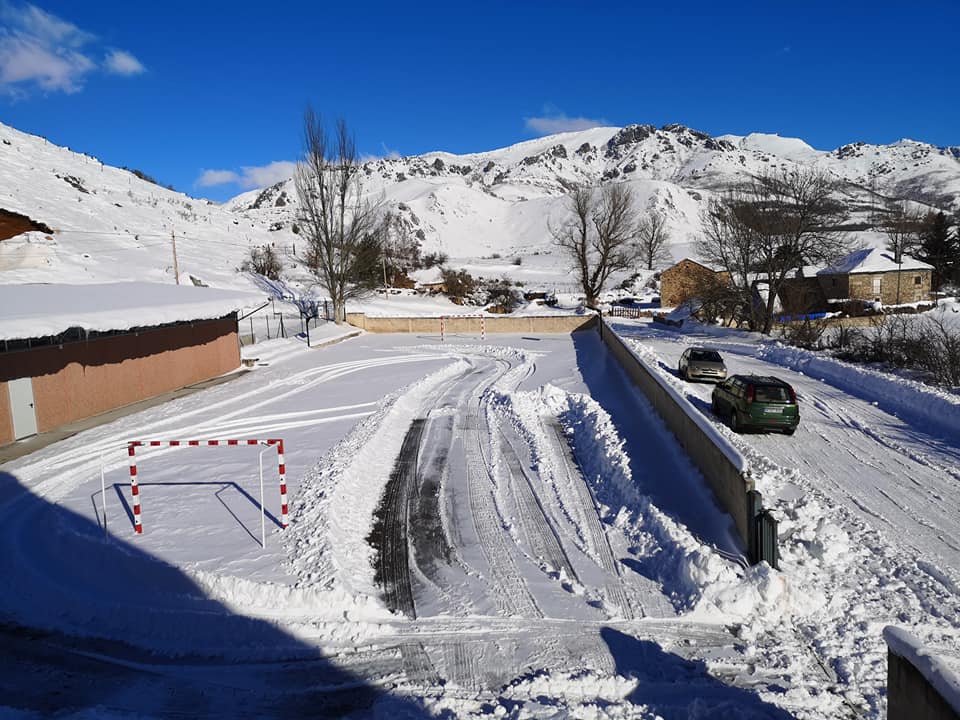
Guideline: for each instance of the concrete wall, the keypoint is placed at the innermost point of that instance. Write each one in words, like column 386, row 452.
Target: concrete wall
column 498, row 324
column 6, row 416
column 910, row 696
column 724, row 476
column 79, row 379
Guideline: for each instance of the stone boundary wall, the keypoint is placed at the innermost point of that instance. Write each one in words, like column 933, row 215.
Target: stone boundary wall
column 471, row 324
column 720, row 463
column 919, row 686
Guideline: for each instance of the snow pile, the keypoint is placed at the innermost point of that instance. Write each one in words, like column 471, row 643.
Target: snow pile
column 665, row 550
column 337, row 499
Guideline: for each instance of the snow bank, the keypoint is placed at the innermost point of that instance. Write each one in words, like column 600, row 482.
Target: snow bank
column 338, row 498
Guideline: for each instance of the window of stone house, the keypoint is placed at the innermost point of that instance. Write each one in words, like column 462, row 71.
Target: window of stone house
column 916, row 280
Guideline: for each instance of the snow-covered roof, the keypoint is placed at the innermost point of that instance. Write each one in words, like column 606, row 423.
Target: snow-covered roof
column 41, row 310
column 873, row 260
column 427, row 276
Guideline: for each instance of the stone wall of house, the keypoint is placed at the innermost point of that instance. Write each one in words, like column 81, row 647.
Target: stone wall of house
column 914, row 286
column 687, row 279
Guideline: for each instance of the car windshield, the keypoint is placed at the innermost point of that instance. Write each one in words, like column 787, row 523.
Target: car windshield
column 772, row 393
column 706, row 355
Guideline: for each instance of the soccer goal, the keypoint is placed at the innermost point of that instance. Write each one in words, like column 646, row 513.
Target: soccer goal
column 132, row 446
column 462, row 324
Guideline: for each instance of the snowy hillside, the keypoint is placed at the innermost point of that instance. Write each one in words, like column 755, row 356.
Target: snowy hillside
column 111, row 225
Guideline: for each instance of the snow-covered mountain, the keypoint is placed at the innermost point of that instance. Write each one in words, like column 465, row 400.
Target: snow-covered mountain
column 499, row 201
column 109, row 224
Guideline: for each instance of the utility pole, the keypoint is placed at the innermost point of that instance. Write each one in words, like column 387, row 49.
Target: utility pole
column 176, row 267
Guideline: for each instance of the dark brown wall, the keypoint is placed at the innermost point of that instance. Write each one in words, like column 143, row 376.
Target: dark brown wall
column 80, row 379
column 12, row 224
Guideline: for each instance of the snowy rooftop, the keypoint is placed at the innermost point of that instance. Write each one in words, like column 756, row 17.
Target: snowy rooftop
column 873, row 260
column 40, row 310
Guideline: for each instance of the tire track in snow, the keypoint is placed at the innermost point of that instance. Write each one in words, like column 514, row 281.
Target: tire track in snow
column 540, row 534
column 614, row 588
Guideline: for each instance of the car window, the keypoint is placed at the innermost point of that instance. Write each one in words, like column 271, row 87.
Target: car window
column 771, row 393
column 706, row 355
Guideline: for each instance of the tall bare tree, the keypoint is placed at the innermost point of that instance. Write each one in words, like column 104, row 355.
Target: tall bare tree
column 776, row 223
column 340, row 224
column 598, row 235
column 653, row 237
column 903, row 228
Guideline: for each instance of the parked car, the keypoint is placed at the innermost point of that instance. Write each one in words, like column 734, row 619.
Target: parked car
column 756, row 401
column 699, row 363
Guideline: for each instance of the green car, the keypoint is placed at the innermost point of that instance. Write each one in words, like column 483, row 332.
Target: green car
column 756, row 401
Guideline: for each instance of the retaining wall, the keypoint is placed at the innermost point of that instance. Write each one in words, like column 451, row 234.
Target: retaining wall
column 461, row 324
column 721, row 464
column 919, row 686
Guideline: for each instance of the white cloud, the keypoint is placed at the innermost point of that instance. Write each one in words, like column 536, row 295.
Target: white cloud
column 210, row 178
column 558, row 122
column 250, row 177
column 38, row 49
column 120, row 62
column 265, row 175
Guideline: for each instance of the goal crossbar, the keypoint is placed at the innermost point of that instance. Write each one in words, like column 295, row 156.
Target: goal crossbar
column 132, row 446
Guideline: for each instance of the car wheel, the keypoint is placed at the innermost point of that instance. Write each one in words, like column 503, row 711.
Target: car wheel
column 713, row 406
column 789, row 431
column 735, row 421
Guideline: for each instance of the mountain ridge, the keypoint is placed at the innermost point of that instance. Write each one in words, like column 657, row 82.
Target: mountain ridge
column 108, row 222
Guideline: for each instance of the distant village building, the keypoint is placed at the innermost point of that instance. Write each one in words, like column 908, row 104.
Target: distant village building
column 429, row 279
column 72, row 351
column 872, row 274
column 688, row 279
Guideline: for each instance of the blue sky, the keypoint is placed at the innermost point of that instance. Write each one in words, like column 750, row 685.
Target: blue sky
column 209, row 96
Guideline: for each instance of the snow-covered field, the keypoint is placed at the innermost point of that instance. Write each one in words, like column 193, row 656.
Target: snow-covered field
column 501, row 528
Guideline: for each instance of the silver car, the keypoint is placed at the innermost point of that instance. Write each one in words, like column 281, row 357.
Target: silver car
column 699, row 363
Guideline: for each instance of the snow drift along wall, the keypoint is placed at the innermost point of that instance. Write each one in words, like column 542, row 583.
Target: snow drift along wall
column 721, row 464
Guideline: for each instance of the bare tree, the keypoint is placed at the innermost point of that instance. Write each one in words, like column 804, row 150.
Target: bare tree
column 264, row 261
column 653, row 237
column 903, row 228
column 340, row 225
column 729, row 243
column 598, row 235
column 775, row 224
column 401, row 249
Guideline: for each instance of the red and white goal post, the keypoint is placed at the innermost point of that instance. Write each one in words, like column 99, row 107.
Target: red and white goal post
column 132, row 446
column 447, row 320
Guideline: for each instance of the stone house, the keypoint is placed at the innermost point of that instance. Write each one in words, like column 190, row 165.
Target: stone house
column 688, row 279
column 872, row 275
